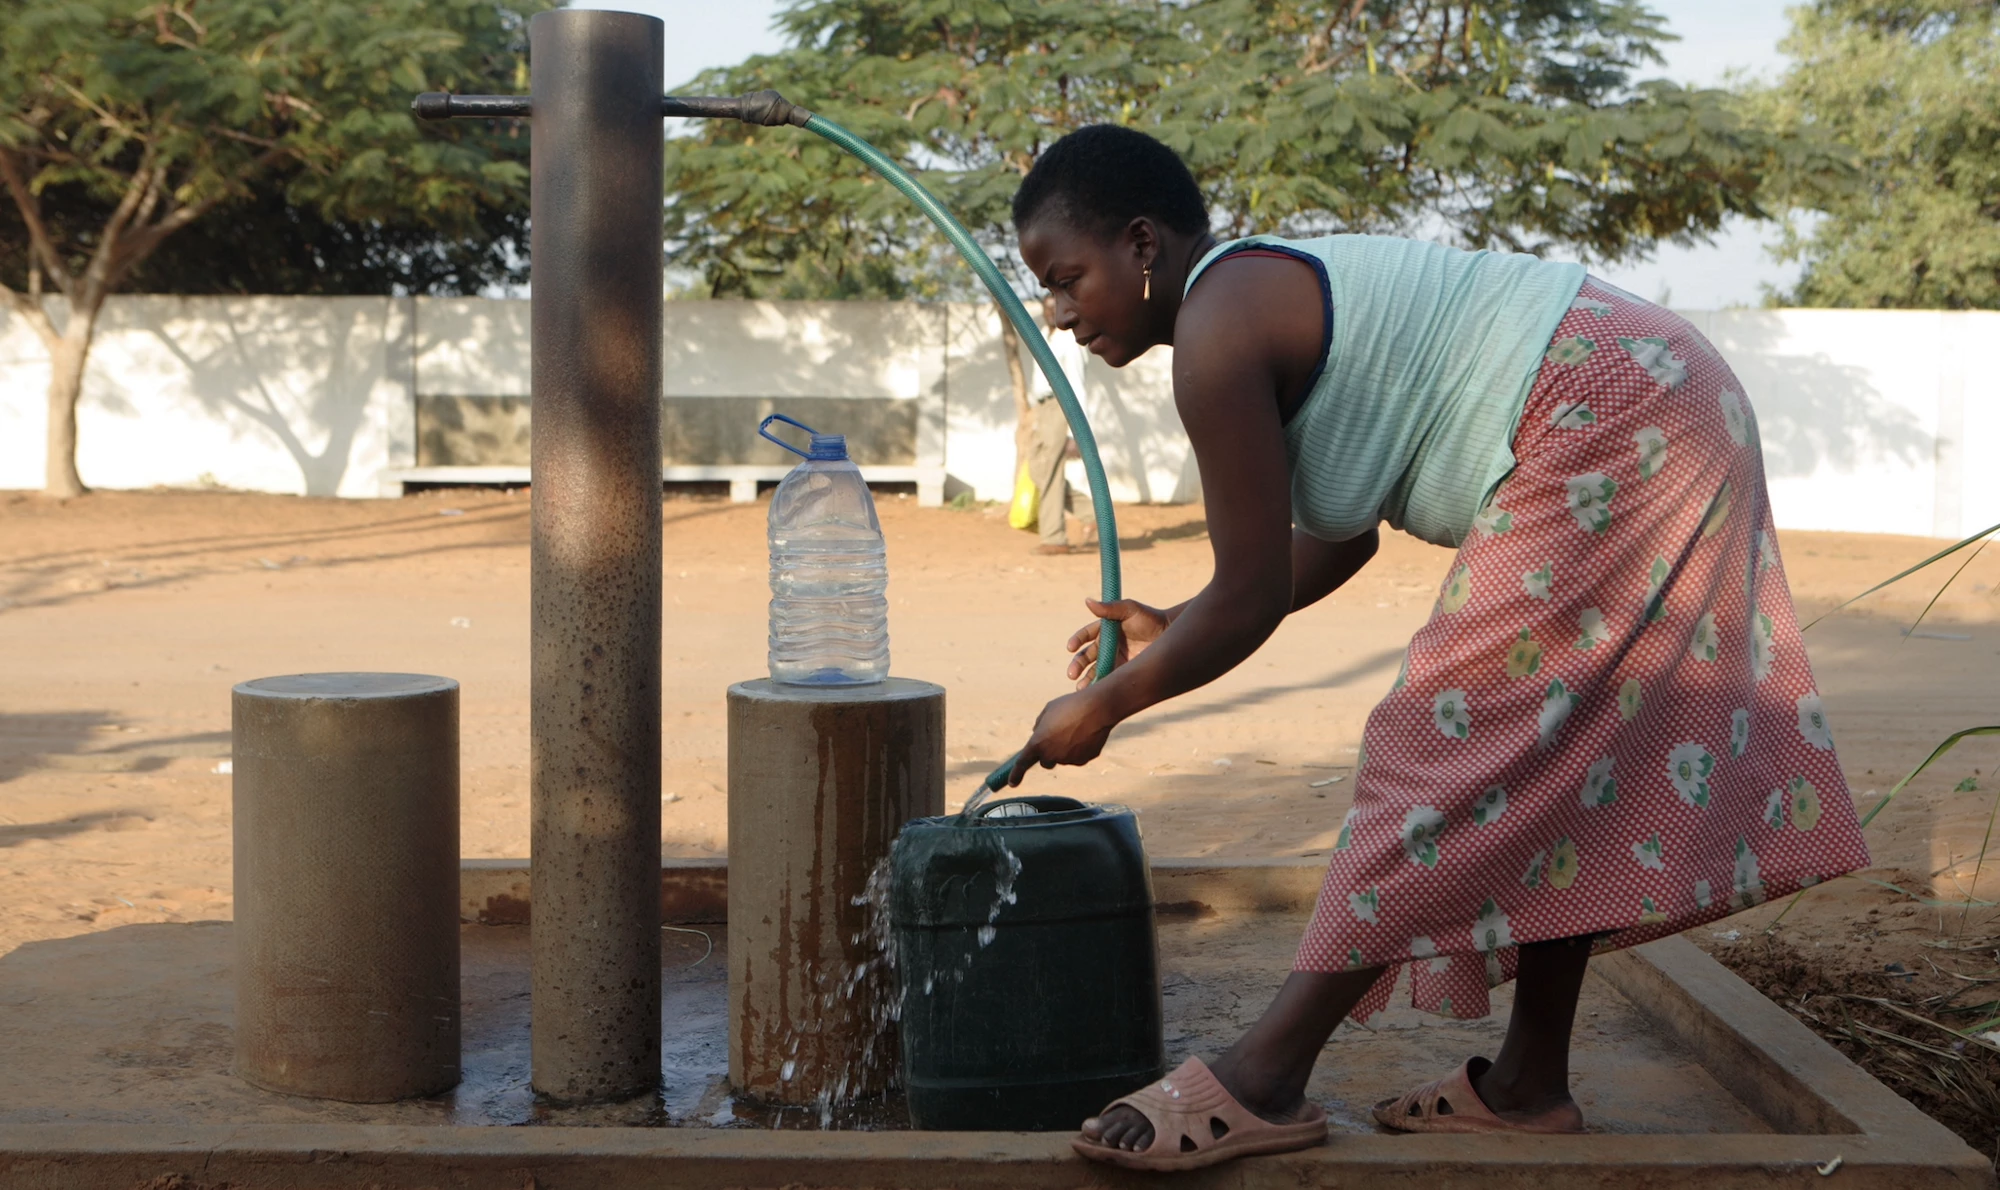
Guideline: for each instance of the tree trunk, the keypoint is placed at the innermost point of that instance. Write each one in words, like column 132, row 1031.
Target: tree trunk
column 1024, row 411
column 67, row 357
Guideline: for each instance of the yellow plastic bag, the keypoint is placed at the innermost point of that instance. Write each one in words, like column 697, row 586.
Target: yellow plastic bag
column 1024, row 511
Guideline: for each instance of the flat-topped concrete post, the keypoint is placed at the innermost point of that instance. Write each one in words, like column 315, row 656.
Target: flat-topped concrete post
column 821, row 778
column 594, row 714
column 345, row 794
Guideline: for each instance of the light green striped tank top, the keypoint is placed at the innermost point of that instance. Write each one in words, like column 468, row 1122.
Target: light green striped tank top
column 1429, row 357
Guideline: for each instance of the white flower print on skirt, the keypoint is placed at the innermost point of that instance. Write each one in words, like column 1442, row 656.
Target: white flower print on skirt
column 1609, row 726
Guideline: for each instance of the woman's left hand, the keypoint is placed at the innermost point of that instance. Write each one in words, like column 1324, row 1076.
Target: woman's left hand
column 1070, row 730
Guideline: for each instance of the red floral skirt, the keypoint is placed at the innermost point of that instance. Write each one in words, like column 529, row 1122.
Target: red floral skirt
column 1609, row 726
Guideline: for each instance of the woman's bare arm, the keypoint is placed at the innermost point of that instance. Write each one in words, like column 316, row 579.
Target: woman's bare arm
column 1319, row 568
column 1237, row 334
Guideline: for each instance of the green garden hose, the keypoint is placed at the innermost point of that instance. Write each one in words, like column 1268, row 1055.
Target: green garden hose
column 1079, row 426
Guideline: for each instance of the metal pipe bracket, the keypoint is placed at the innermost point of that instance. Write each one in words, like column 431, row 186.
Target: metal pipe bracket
column 767, row 108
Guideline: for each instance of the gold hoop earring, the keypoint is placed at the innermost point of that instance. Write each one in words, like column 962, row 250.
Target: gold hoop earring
column 1146, row 295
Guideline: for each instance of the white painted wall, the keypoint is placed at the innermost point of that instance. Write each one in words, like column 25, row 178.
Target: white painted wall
column 273, row 394
column 1874, row 421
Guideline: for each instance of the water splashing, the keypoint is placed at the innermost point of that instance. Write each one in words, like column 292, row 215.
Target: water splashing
column 868, row 986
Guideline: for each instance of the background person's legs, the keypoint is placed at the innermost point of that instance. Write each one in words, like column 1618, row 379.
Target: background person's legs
column 1055, row 502
column 1080, row 507
column 1046, row 447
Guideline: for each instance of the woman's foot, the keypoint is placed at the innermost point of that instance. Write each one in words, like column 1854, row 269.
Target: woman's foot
column 1522, row 1100
column 1268, row 1098
column 1266, row 1070
column 1455, row 1103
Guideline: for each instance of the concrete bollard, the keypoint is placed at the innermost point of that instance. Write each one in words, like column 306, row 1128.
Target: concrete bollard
column 346, row 835
column 820, row 780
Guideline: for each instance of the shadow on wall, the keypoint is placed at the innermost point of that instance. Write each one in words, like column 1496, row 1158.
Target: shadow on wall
column 1816, row 415
column 233, row 374
column 302, row 370
column 1132, row 412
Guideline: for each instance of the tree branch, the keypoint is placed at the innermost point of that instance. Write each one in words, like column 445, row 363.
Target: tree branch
column 31, row 214
column 99, row 273
column 146, row 237
column 30, row 309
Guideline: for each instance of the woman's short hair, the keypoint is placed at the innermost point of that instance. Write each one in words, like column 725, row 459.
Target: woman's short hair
column 1103, row 176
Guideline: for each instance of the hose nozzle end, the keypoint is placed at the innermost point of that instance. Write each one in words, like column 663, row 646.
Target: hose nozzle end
column 770, row 109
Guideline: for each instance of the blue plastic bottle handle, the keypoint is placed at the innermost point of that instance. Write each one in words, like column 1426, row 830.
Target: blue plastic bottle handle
column 763, row 431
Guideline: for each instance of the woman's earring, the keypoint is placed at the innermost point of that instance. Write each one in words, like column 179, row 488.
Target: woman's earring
column 1147, row 294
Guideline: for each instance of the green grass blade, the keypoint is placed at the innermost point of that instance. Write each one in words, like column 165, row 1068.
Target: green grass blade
column 1981, row 1027
column 1928, row 902
column 1947, row 586
column 1984, row 845
column 1943, row 553
column 1950, row 742
column 1793, row 903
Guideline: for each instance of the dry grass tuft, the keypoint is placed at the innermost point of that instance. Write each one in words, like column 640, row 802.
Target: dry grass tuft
column 1926, row 1034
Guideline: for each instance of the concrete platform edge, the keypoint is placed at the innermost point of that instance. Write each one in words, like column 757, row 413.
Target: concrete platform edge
column 284, row 1157
column 1751, row 1045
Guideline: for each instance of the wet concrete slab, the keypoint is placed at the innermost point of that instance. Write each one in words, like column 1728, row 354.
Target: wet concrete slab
column 116, row 1047
column 133, row 1026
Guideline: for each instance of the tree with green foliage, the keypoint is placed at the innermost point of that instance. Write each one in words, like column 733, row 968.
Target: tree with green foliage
column 965, row 93
column 1519, row 124
column 121, row 126
column 264, row 243
column 1913, row 88
column 1504, row 123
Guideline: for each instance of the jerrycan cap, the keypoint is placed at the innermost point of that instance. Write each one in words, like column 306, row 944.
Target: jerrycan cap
column 826, row 448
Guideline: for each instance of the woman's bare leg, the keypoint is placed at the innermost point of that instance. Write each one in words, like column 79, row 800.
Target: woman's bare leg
column 1267, row 1069
column 1531, row 1074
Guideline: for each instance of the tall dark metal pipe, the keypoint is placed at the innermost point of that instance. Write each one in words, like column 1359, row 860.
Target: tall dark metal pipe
column 594, row 759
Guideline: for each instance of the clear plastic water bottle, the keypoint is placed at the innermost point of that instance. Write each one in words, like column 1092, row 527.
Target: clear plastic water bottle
column 829, row 573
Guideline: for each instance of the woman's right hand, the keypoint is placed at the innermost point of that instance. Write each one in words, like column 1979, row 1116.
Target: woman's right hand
column 1139, row 626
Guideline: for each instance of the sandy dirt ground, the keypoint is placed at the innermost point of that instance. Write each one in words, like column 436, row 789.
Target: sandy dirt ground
column 126, row 617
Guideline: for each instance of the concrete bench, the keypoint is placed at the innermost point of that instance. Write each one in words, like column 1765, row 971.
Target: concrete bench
column 741, row 478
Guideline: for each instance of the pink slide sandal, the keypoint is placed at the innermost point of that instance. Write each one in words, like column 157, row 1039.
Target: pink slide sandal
column 1187, row 1109
column 1451, row 1105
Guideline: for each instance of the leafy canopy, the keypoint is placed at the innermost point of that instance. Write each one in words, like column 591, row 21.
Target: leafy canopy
column 1517, row 123
column 1913, row 86
column 123, row 123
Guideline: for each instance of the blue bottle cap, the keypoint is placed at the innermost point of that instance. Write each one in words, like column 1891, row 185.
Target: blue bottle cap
column 828, row 447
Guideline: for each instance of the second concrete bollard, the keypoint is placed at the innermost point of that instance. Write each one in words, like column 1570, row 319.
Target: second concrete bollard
column 821, row 778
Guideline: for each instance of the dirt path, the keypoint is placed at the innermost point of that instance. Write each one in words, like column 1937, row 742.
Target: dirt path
column 126, row 617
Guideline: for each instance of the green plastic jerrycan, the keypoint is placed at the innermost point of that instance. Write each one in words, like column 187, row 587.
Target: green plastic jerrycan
column 1029, row 966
